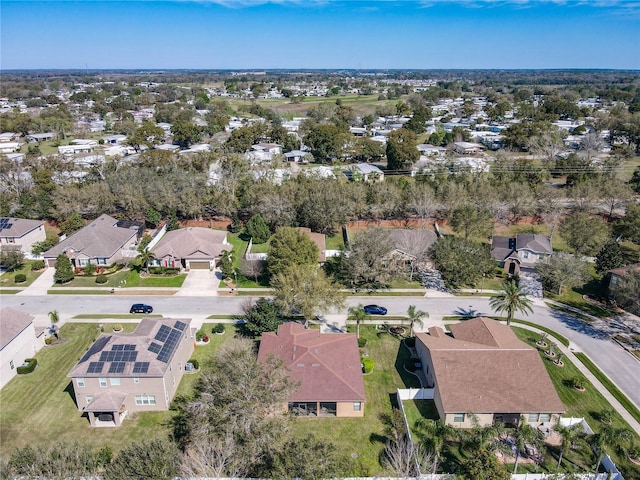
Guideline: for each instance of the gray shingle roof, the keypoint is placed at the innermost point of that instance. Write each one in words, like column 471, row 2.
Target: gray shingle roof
column 100, row 239
column 17, row 227
column 12, row 322
column 192, row 243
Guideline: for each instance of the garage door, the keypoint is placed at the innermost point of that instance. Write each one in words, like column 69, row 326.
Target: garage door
column 199, row 265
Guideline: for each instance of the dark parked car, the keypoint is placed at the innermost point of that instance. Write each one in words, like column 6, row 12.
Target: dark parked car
column 140, row 308
column 375, row 310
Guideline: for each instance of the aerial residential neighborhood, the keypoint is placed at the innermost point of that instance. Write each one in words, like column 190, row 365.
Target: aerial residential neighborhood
column 320, row 240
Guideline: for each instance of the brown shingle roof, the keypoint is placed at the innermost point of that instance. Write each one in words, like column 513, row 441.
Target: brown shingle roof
column 326, row 365
column 485, row 368
column 12, row 322
column 319, row 239
column 191, row 243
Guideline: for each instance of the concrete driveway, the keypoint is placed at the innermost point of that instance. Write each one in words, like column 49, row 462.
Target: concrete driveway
column 200, row 283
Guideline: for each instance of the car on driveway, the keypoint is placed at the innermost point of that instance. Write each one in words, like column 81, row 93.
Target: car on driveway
column 140, row 308
column 375, row 310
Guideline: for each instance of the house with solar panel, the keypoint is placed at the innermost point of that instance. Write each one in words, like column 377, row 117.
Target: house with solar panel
column 21, row 233
column 122, row 373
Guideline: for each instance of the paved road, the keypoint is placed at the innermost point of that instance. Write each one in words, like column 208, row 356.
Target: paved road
column 614, row 361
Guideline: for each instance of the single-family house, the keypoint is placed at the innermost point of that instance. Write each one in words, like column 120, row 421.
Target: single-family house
column 114, row 139
column 296, row 156
column 364, row 171
column 427, row 149
column 615, row 277
column 123, row 373
column 8, row 136
column 41, row 137
column 18, row 341
column 21, row 233
column 523, row 251
column 326, row 367
column 191, row 247
column 482, row 371
column 467, row 148
column 412, row 246
column 10, row 147
column 103, row 242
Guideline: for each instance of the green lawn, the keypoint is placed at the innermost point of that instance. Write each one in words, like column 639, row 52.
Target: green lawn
column 39, row 408
column 587, row 404
column 127, row 279
column 335, row 241
column 364, row 436
column 7, row 279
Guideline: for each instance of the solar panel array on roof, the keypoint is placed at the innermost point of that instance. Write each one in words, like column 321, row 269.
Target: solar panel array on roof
column 117, row 347
column 95, row 348
column 118, row 356
column 163, row 333
column 155, row 347
column 169, row 346
column 129, row 346
column 5, row 223
column 95, row 367
column 117, row 367
column 141, row 367
column 180, row 326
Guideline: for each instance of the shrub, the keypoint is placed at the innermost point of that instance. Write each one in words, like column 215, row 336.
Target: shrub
column 48, row 341
column 578, row 382
column 20, row 277
column 219, row 328
column 410, row 342
column 101, row 279
column 367, row 365
column 32, row 363
column 200, row 335
column 37, row 265
column 362, row 342
column 171, row 271
column 157, row 270
column 195, row 363
column 117, row 327
column 90, row 269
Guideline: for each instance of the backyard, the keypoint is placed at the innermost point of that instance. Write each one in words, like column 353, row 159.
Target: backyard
column 39, row 408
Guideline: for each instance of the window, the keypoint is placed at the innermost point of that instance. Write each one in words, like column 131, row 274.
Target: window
column 101, row 261
column 11, row 240
column 357, row 406
column 89, row 399
column 458, row 417
column 115, row 381
column 80, row 382
column 136, row 380
column 525, row 254
column 103, row 382
column 11, row 365
column 145, row 399
column 532, row 418
column 545, row 417
column 82, row 262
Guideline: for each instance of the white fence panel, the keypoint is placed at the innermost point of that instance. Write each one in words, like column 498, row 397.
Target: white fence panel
column 416, row 393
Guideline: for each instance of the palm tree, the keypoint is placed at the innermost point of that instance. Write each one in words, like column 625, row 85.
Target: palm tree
column 610, row 437
column 570, row 436
column 525, row 434
column 434, row 434
column 144, row 257
column 53, row 315
column 511, row 299
column 357, row 314
column 415, row 317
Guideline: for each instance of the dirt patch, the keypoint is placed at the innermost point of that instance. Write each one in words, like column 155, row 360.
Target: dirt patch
column 221, row 224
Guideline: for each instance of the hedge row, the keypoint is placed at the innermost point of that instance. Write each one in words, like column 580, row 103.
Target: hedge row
column 32, row 363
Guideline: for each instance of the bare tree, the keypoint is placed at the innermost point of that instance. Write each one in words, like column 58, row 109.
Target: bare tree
column 423, row 204
column 251, row 268
column 546, row 146
column 408, row 459
column 590, row 146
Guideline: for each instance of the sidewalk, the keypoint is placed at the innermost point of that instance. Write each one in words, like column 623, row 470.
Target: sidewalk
column 568, row 353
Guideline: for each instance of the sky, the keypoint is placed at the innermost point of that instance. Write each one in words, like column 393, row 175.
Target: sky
column 320, row 34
